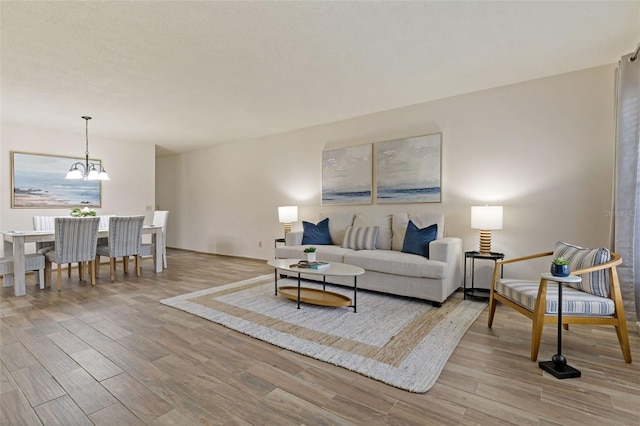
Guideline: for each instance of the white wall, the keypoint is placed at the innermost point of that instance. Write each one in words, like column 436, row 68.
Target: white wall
column 131, row 168
column 543, row 149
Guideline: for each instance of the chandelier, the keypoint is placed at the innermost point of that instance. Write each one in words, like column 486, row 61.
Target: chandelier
column 90, row 171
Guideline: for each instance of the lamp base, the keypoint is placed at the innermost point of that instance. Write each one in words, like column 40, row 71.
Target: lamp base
column 287, row 228
column 485, row 241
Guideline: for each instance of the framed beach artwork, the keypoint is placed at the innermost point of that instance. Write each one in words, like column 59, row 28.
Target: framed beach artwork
column 38, row 181
column 347, row 175
column 408, row 170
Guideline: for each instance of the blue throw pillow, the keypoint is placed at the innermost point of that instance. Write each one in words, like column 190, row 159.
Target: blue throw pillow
column 416, row 240
column 316, row 234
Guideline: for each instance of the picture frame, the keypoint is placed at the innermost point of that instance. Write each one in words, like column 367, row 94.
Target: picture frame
column 38, row 181
column 409, row 170
column 347, row 175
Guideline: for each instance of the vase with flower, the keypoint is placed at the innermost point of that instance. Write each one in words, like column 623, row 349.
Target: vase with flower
column 82, row 212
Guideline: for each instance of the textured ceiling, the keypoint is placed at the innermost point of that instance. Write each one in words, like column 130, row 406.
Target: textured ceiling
column 183, row 75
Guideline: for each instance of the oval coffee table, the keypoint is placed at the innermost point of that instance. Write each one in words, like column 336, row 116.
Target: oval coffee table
column 312, row 295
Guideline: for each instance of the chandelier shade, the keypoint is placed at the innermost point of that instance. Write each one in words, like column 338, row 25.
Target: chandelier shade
column 87, row 170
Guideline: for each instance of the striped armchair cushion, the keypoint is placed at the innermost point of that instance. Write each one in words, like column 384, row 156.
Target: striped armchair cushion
column 574, row 302
column 124, row 236
column 597, row 282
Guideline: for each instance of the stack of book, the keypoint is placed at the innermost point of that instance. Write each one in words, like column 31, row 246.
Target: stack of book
column 311, row 265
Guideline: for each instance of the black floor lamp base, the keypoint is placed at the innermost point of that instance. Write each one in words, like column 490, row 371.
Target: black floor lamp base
column 561, row 372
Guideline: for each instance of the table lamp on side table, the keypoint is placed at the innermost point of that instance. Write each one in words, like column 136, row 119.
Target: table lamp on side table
column 486, row 218
column 286, row 215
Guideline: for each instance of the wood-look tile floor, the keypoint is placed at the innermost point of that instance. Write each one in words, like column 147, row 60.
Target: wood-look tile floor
column 113, row 355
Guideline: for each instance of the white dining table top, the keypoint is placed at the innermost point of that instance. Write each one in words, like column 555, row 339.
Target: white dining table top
column 51, row 232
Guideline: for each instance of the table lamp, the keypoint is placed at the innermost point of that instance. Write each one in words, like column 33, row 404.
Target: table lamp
column 286, row 215
column 486, row 218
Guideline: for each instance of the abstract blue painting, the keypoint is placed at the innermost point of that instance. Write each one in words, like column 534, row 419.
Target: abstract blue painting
column 408, row 170
column 38, row 181
column 347, row 175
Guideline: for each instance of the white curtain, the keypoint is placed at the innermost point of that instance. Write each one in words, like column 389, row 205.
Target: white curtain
column 626, row 208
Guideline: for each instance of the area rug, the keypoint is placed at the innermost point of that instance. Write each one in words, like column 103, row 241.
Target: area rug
column 399, row 341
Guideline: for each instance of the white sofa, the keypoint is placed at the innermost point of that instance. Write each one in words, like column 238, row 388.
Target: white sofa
column 387, row 268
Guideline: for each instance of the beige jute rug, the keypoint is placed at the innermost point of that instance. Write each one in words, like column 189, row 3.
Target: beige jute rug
column 399, row 341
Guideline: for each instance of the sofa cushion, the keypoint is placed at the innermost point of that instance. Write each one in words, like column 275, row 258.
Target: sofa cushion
column 396, row 263
column 316, row 234
column 421, row 220
column 416, row 240
column 338, row 224
column 324, row 253
column 361, row 237
column 597, row 282
column 382, row 221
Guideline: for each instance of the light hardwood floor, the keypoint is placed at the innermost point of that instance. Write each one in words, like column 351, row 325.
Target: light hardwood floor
column 113, row 355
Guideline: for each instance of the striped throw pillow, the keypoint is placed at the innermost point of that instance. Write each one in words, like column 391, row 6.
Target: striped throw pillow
column 597, row 282
column 360, row 238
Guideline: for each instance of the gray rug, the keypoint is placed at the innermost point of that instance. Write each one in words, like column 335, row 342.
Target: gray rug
column 402, row 342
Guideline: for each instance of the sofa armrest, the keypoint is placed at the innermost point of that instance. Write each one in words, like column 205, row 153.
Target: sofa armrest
column 293, row 238
column 448, row 250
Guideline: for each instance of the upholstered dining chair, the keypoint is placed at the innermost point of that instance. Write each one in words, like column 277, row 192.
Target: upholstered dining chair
column 76, row 239
column 160, row 219
column 124, row 240
column 595, row 300
column 47, row 223
column 104, row 222
column 44, row 223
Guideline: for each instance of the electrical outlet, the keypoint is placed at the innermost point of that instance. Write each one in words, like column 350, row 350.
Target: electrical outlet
column 259, row 243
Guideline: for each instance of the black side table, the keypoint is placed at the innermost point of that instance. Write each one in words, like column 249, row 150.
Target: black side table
column 278, row 240
column 558, row 365
column 473, row 255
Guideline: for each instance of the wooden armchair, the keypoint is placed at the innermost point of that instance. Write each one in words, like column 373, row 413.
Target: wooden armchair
column 538, row 300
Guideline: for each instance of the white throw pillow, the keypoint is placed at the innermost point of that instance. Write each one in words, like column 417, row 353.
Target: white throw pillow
column 338, row 224
column 382, row 221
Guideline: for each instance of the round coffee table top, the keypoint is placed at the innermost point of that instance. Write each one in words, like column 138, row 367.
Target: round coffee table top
column 335, row 268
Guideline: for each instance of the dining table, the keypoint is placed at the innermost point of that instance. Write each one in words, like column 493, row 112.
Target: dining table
column 14, row 244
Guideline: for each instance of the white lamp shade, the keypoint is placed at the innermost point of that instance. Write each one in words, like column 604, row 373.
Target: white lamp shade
column 486, row 217
column 288, row 214
column 74, row 174
column 93, row 174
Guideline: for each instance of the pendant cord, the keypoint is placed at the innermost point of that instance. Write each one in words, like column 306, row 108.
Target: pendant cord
column 86, row 146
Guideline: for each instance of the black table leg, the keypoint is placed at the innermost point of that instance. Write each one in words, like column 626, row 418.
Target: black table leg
column 558, row 364
column 298, row 290
column 355, row 292
column 276, row 283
